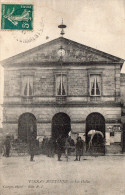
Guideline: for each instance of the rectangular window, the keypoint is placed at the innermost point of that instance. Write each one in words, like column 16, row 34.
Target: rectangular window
column 95, row 84
column 27, row 86
column 61, row 85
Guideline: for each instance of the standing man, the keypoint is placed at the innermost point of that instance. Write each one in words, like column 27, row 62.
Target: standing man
column 79, row 148
column 51, row 147
column 7, row 146
column 32, row 147
column 67, row 147
column 60, row 145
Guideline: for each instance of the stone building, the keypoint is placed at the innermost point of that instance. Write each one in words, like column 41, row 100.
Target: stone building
column 123, row 110
column 60, row 87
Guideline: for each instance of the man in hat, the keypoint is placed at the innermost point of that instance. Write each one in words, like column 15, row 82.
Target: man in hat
column 7, row 146
column 79, row 148
column 51, row 147
column 60, row 145
column 32, row 146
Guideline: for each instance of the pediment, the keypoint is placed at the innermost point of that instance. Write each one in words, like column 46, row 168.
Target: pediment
column 74, row 52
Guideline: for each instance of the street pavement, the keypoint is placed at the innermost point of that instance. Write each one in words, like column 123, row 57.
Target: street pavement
column 104, row 175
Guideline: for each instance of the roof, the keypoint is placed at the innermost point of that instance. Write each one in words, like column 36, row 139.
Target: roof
column 47, row 52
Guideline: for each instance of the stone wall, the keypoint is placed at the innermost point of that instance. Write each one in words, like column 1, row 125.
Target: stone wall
column 77, row 81
column 44, row 117
column 122, row 79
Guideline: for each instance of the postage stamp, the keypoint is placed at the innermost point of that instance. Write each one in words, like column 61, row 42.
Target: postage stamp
column 17, row 16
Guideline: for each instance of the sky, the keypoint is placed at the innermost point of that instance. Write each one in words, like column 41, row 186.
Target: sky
column 98, row 24
column 95, row 23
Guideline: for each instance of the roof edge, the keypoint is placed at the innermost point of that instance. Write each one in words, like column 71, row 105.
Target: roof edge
column 104, row 54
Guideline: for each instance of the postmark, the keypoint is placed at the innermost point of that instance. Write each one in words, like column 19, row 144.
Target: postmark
column 24, row 36
column 17, row 17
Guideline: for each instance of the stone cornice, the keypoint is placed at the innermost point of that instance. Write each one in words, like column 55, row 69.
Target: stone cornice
column 108, row 121
column 51, row 96
column 72, row 104
column 44, row 122
column 56, row 64
column 113, row 121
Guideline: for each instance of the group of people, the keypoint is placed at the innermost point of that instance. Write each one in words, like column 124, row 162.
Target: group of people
column 63, row 145
column 51, row 146
column 48, row 146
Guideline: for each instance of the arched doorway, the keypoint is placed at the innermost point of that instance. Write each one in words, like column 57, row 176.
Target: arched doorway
column 27, row 126
column 96, row 121
column 61, row 125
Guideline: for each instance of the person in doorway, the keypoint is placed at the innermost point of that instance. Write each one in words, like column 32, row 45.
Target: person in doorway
column 43, row 145
column 72, row 144
column 67, row 147
column 7, row 145
column 79, row 148
column 51, row 147
column 60, row 145
column 32, row 147
column 46, row 146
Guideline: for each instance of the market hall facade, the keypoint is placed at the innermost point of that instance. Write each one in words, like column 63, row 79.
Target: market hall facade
column 63, row 87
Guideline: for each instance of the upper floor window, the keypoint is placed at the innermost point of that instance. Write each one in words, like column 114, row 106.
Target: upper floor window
column 27, row 86
column 95, row 84
column 61, row 84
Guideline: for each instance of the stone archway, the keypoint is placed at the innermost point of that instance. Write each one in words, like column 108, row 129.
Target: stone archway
column 61, row 125
column 26, row 126
column 96, row 121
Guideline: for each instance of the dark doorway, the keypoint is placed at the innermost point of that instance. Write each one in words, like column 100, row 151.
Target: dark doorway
column 26, row 127
column 95, row 121
column 61, row 125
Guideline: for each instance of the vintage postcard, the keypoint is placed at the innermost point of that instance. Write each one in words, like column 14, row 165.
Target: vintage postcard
column 62, row 97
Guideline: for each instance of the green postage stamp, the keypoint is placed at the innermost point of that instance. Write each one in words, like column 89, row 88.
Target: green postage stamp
column 17, row 16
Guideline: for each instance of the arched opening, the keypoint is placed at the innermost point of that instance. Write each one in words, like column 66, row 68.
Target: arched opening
column 95, row 129
column 26, row 127
column 61, row 125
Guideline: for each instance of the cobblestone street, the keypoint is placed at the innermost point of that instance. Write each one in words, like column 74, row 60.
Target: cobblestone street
column 91, row 176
